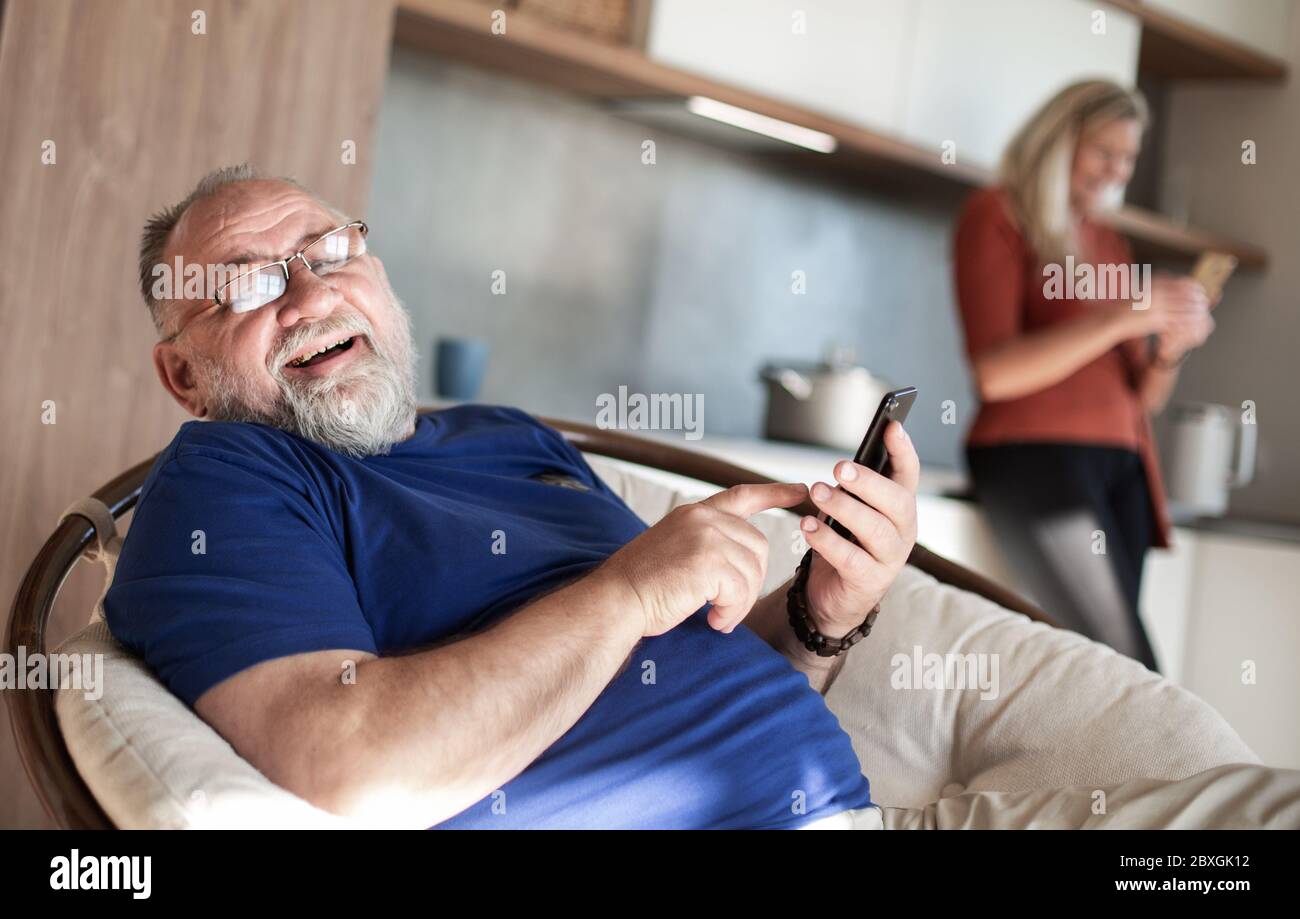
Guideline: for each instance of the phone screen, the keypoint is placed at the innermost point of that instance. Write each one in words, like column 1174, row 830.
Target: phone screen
column 872, row 453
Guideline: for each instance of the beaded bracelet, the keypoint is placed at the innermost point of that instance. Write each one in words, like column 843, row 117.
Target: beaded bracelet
column 796, row 604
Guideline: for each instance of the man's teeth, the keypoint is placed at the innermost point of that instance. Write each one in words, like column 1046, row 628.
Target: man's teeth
column 298, row 362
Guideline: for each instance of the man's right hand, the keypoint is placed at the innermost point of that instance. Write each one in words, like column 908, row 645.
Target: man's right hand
column 702, row 552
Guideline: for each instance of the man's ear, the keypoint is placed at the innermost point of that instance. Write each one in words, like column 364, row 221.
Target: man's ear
column 177, row 378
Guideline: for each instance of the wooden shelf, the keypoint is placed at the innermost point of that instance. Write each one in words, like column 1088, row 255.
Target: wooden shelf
column 1175, row 49
column 538, row 52
column 1156, row 237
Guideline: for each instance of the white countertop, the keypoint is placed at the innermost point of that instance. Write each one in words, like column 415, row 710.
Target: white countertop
column 793, row 462
column 806, row 463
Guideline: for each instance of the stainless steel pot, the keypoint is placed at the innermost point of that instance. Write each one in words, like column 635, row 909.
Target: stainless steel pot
column 829, row 404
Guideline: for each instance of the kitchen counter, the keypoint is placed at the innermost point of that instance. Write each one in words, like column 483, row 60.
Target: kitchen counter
column 807, row 463
column 802, row 462
column 1238, row 526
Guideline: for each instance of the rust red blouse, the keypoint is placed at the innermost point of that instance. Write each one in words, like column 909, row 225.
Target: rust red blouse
column 1000, row 291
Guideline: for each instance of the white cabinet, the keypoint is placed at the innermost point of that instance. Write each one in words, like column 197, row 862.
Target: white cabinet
column 1166, row 601
column 928, row 71
column 1260, row 24
column 844, row 58
column 978, row 70
column 1243, row 639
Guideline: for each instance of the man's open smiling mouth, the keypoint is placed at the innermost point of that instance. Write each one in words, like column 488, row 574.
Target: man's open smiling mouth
column 319, row 355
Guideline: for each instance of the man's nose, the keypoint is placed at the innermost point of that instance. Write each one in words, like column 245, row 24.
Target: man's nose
column 308, row 296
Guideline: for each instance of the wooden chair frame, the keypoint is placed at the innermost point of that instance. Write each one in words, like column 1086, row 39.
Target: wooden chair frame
column 45, row 757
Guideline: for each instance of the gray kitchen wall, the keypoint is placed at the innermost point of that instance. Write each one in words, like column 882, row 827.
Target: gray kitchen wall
column 1253, row 351
column 672, row 277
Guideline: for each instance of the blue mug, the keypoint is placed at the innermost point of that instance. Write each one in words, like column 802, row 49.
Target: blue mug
column 459, row 367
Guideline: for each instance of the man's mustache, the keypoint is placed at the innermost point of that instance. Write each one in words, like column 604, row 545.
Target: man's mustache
column 295, row 341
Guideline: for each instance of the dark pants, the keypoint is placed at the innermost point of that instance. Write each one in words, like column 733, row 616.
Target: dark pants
column 1074, row 522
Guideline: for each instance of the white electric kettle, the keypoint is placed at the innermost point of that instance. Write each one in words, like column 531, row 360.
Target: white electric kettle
column 1211, row 451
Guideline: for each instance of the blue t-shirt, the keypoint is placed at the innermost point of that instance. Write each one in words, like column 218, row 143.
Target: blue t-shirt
column 250, row 543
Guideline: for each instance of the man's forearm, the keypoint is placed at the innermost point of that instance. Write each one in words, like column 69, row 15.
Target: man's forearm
column 769, row 620
column 433, row 732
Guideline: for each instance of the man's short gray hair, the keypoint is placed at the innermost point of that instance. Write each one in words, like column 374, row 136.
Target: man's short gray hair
column 153, row 240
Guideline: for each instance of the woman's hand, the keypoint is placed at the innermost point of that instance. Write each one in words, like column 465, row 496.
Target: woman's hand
column 1183, row 320
column 847, row 580
column 1183, row 335
column 1171, row 300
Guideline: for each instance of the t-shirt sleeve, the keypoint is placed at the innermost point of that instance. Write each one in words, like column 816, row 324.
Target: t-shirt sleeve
column 989, row 266
column 226, row 566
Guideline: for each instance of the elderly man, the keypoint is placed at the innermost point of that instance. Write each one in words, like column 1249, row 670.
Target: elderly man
column 450, row 620
column 446, row 619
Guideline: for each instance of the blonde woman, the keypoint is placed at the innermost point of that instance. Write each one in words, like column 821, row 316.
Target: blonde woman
column 1061, row 454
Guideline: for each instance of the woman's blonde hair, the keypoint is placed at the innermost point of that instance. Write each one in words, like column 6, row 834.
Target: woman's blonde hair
column 1036, row 166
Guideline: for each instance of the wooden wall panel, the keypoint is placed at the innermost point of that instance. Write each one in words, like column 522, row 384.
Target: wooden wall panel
column 138, row 107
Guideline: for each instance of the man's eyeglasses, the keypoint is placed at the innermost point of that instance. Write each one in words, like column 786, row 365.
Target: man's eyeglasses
column 265, row 284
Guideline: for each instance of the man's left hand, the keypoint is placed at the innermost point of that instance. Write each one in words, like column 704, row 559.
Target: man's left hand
column 848, row 580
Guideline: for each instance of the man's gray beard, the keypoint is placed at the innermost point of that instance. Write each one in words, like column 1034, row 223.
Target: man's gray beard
column 362, row 410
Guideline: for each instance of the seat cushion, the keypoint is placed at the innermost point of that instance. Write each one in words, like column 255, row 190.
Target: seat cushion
column 153, row 764
column 1059, row 708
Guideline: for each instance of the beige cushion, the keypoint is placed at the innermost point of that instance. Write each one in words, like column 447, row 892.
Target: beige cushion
column 152, row 763
column 1068, row 711
column 1065, row 710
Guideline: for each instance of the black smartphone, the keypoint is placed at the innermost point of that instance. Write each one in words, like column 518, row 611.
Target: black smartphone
column 872, row 453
